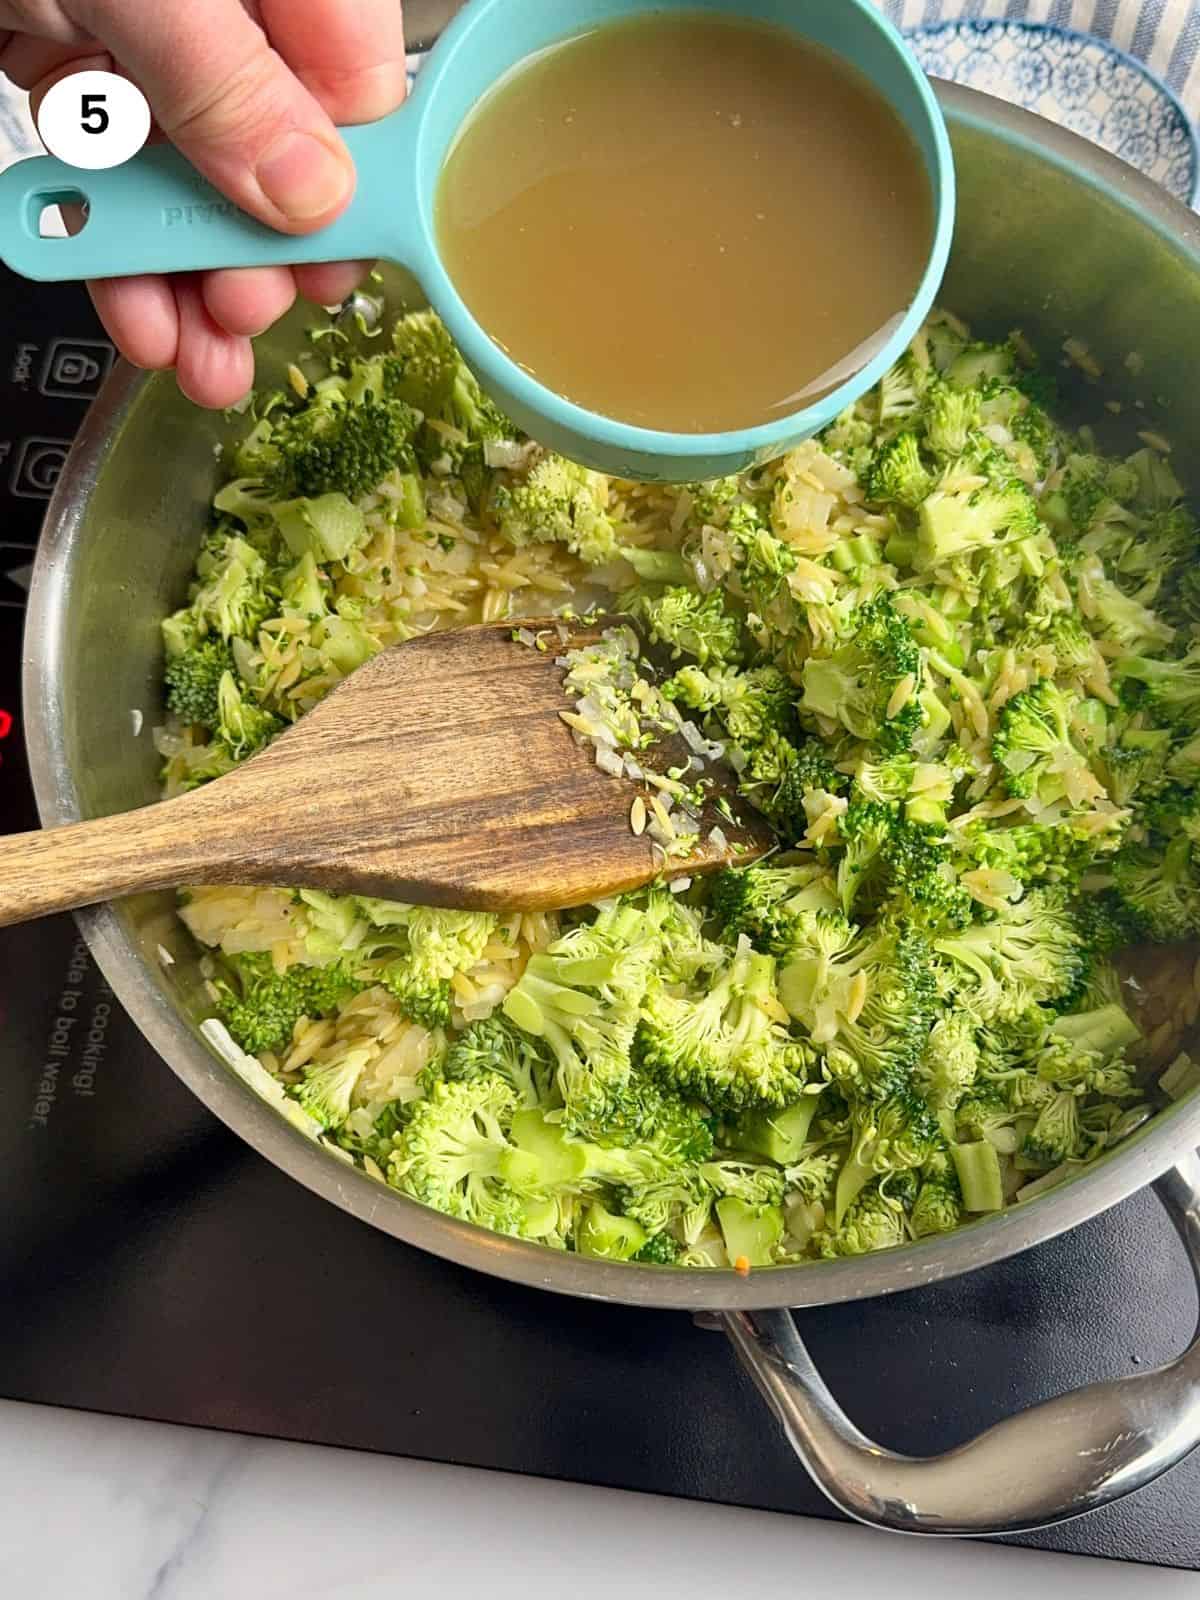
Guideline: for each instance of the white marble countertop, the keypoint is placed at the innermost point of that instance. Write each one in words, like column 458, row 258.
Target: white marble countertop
column 106, row 1509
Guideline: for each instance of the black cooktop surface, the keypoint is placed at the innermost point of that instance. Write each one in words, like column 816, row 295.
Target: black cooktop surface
column 151, row 1265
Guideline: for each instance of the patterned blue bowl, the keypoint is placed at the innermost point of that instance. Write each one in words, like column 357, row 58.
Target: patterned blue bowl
column 1078, row 81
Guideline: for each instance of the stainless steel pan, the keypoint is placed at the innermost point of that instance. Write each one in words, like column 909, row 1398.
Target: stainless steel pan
column 1055, row 238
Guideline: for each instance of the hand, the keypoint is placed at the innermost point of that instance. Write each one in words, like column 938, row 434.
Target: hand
column 250, row 91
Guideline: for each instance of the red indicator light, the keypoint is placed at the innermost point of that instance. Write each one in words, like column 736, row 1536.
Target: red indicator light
column 6, row 724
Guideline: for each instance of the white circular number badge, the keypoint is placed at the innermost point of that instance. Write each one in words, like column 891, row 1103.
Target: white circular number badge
column 94, row 120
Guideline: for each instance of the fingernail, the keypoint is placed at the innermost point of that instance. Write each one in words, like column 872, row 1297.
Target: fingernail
column 304, row 177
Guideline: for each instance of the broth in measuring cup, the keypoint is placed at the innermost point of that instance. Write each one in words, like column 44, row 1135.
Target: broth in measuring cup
column 685, row 222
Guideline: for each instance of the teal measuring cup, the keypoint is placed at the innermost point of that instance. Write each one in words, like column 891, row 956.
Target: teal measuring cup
column 156, row 214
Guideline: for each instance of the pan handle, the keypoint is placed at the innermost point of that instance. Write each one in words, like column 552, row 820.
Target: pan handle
column 1044, row 1465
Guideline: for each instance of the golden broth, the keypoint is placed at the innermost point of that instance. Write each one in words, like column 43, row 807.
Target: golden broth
column 685, row 222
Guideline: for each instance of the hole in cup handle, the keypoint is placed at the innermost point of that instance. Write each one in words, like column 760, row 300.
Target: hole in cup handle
column 58, row 213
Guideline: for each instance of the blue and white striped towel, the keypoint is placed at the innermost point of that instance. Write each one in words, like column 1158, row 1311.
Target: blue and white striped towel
column 1165, row 34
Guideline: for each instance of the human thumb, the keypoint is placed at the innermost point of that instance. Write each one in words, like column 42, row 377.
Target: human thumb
column 231, row 104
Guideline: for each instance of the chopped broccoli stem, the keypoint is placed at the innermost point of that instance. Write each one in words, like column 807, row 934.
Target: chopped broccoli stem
column 1181, row 1078
column 609, row 1237
column 751, row 1233
column 778, row 1135
column 978, row 1169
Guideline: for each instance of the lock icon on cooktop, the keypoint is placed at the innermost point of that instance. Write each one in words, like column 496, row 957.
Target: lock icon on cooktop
column 74, row 369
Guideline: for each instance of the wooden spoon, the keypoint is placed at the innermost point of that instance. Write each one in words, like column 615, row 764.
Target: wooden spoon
column 440, row 773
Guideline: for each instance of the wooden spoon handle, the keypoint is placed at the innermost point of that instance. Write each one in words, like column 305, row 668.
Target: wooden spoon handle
column 60, row 869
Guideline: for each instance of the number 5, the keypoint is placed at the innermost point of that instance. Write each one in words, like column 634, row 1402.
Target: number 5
column 93, row 118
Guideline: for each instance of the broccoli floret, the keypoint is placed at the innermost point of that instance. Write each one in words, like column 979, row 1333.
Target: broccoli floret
column 1028, row 954
column 326, row 1088
column 1136, row 765
column 303, row 589
column 328, row 528
column 765, row 902
column 562, row 503
column 450, row 1151
column 757, row 1185
column 951, row 417
column 889, row 857
column 1060, row 646
column 1170, row 689
column 866, row 828
column 581, row 997
column 806, row 770
column 243, row 727
column 350, row 450
column 438, row 944
column 729, row 1047
column 985, row 1116
column 870, row 682
column 1034, row 429
column 1117, row 617
column 494, row 1045
column 660, row 1250
column 820, row 976
column 694, row 688
column 1184, row 603
column 231, row 596
column 689, row 624
column 978, row 365
column 871, row 993
column 749, row 1210
column 1158, row 890
column 608, row 1236
column 938, row 1206
column 1056, row 1135
column 893, row 1135
column 849, row 435
column 1104, row 927
column 1039, row 747
column 193, row 679
column 425, row 370
column 1084, row 489
column 752, row 1233
column 1150, row 553
column 373, row 1136
column 1055, row 852
column 950, row 1060
column 872, row 1223
column 883, row 1014
column 812, row 1177
column 763, row 562
column 887, row 781
column 261, row 1007
column 663, row 1158
column 755, row 709
column 1183, row 766
column 898, row 473
column 1084, row 1052
column 900, row 390
column 683, row 949
column 955, row 523
column 712, row 501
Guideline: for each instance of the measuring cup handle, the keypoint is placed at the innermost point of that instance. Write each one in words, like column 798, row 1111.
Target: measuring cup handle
column 157, row 214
